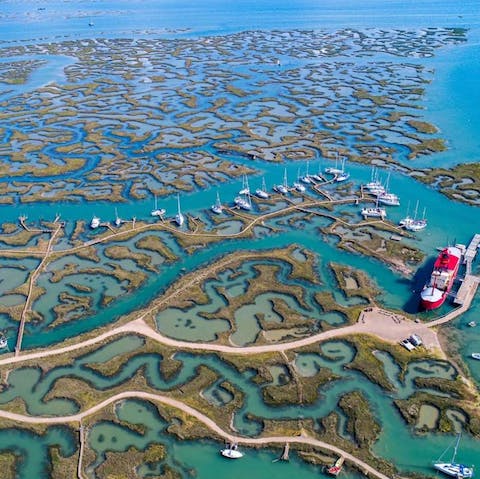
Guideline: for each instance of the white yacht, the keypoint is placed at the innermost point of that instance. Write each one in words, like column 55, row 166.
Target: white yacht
column 156, row 211
column 452, row 468
column 245, row 188
column 307, row 179
column 118, row 221
column 95, row 223
column 179, row 218
column 243, row 202
column 231, row 452
column 374, row 212
column 3, row 341
column 336, row 170
column 414, row 224
column 217, row 208
column 387, row 198
column 476, row 356
column 342, row 175
column 283, row 188
column 262, row 192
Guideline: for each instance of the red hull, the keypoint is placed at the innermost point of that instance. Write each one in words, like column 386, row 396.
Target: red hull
column 444, row 272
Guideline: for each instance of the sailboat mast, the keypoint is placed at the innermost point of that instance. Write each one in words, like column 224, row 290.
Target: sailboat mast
column 455, row 449
column 178, row 204
column 285, row 183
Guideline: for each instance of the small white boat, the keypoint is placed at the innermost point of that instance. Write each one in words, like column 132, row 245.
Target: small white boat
column 299, row 187
column 217, row 208
column 476, row 356
column 336, row 170
column 472, row 324
column 245, row 188
column 342, row 177
column 262, row 192
column 283, row 188
column 414, row 224
column 243, row 203
column 179, row 218
column 231, row 452
column 453, row 469
column 156, row 211
column 387, row 198
column 118, row 221
column 3, row 341
column 307, row 179
column 95, row 223
column 374, row 212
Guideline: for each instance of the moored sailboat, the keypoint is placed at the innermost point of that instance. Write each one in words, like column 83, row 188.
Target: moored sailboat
column 231, row 451
column 156, row 211
column 179, row 218
column 217, row 208
column 262, row 192
column 283, row 188
column 95, row 223
column 452, row 468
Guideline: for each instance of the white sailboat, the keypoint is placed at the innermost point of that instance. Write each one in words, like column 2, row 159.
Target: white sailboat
column 179, row 218
column 156, row 211
column 343, row 175
column 283, row 188
column 231, row 451
column 297, row 185
column 414, row 224
column 245, row 188
column 336, row 170
column 118, row 221
column 453, row 469
column 306, row 178
column 387, row 198
column 95, row 223
column 217, row 208
column 243, row 202
column 262, row 192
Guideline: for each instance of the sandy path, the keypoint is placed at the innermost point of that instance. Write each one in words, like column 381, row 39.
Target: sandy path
column 202, row 418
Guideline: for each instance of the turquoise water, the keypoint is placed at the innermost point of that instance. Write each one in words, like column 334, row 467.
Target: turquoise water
column 451, row 102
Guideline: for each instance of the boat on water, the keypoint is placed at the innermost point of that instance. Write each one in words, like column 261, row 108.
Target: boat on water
column 243, row 202
column 179, row 218
column 414, row 224
column 472, row 324
column 283, row 188
column 118, row 221
column 374, row 212
column 156, row 211
column 306, row 178
column 245, row 187
column 95, row 223
column 336, row 469
column 476, row 356
column 231, row 451
column 3, row 341
column 445, row 270
column 217, row 208
column 342, row 175
column 452, row 468
column 336, row 170
column 387, row 198
column 374, row 186
column 262, row 192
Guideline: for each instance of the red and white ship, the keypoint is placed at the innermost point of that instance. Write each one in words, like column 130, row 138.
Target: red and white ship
column 444, row 272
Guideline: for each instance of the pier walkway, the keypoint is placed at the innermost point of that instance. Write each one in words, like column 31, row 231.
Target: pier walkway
column 210, row 423
column 471, row 253
column 469, row 286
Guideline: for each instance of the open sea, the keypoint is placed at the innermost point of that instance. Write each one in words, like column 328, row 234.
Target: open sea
column 451, row 102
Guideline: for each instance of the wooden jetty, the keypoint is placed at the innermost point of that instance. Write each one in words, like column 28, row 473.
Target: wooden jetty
column 469, row 286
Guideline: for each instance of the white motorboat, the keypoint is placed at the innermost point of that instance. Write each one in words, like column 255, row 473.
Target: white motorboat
column 262, row 192
column 95, row 223
column 374, row 212
column 3, row 341
column 472, row 324
column 179, row 218
column 453, row 469
column 156, row 211
column 217, row 208
column 476, row 356
column 231, row 452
